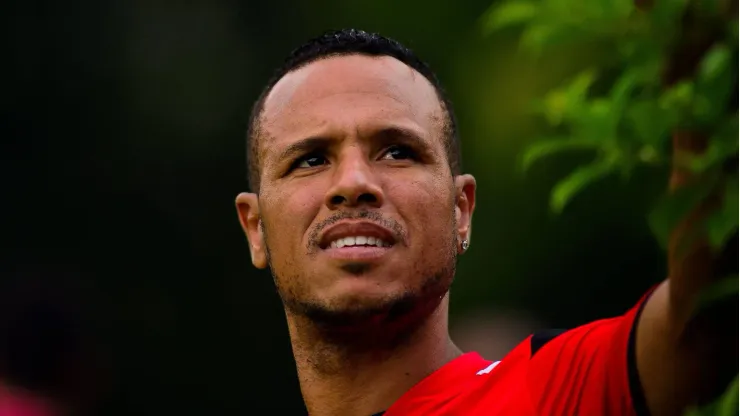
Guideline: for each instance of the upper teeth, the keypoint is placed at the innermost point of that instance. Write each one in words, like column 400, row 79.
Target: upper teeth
column 358, row 241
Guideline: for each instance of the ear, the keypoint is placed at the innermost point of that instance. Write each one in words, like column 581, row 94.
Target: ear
column 464, row 206
column 247, row 206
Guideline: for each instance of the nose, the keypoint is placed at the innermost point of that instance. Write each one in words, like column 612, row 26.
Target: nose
column 355, row 183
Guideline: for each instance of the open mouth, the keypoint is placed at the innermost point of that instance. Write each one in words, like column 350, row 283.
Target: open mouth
column 357, row 237
column 359, row 241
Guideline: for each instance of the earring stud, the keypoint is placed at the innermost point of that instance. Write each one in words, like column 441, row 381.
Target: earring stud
column 465, row 244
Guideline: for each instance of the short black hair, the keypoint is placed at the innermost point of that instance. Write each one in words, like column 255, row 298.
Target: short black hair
column 349, row 42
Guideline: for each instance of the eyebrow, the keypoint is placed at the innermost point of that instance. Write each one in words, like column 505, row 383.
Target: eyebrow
column 401, row 134
column 304, row 146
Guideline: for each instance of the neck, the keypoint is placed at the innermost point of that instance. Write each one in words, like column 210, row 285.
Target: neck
column 357, row 378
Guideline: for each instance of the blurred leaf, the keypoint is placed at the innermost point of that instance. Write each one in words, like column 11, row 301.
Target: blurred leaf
column 554, row 107
column 639, row 47
column 535, row 37
column 673, row 207
column 593, row 18
column 596, row 120
column 509, row 13
column 648, row 154
column 624, row 86
column 540, row 36
column 723, row 223
column 642, row 71
column 547, row 147
column 665, row 15
column 725, row 405
column 581, row 83
column 560, row 103
column 650, row 121
column 677, row 102
column 728, row 405
column 732, row 31
column 722, row 146
column 679, row 96
column 728, row 130
column 580, row 178
column 717, row 292
column 708, row 6
column 714, row 63
column 714, row 85
column 618, row 9
column 717, row 152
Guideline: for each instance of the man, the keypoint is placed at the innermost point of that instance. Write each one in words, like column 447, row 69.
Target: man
column 360, row 209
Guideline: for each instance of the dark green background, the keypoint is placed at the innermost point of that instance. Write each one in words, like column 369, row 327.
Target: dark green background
column 123, row 149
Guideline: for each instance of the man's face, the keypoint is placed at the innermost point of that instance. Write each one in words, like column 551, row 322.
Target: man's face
column 358, row 211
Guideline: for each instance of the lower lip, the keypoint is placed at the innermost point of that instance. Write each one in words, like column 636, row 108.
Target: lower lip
column 357, row 253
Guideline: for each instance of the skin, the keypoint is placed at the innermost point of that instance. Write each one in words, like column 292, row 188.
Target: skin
column 685, row 356
column 381, row 321
column 356, row 323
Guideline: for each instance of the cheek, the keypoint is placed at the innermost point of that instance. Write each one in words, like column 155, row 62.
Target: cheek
column 426, row 208
column 288, row 216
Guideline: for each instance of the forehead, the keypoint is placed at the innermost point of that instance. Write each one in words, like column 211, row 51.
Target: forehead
column 349, row 93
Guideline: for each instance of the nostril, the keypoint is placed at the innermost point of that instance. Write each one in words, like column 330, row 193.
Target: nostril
column 337, row 200
column 367, row 198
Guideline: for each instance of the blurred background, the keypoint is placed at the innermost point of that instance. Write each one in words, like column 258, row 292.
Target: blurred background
column 126, row 286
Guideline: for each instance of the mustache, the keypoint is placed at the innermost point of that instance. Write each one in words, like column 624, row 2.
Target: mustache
column 373, row 216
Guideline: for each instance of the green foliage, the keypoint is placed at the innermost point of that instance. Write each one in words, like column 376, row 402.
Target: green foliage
column 566, row 103
column 508, row 14
column 721, row 290
column 727, row 405
column 714, row 83
column 673, row 207
column 631, row 123
column 723, row 146
column 724, row 221
column 544, row 148
column 625, row 112
column 552, row 22
column 578, row 179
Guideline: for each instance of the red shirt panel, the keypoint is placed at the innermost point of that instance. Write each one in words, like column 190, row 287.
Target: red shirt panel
column 582, row 372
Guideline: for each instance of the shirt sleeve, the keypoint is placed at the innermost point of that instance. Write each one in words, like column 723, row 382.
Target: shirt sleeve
column 589, row 370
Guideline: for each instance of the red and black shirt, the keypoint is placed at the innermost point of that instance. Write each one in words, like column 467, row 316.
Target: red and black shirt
column 586, row 371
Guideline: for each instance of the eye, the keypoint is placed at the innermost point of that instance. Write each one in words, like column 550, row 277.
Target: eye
column 397, row 152
column 309, row 161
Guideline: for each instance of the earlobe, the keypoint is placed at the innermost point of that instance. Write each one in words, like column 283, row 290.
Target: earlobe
column 247, row 208
column 464, row 206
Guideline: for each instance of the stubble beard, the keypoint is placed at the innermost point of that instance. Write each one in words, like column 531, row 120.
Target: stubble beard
column 367, row 323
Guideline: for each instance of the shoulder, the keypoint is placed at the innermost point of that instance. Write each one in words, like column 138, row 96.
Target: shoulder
column 589, row 369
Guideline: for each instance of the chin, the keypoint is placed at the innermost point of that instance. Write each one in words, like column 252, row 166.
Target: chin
column 358, row 296
column 358, row 307
column 351, row 303
column 368, row 285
